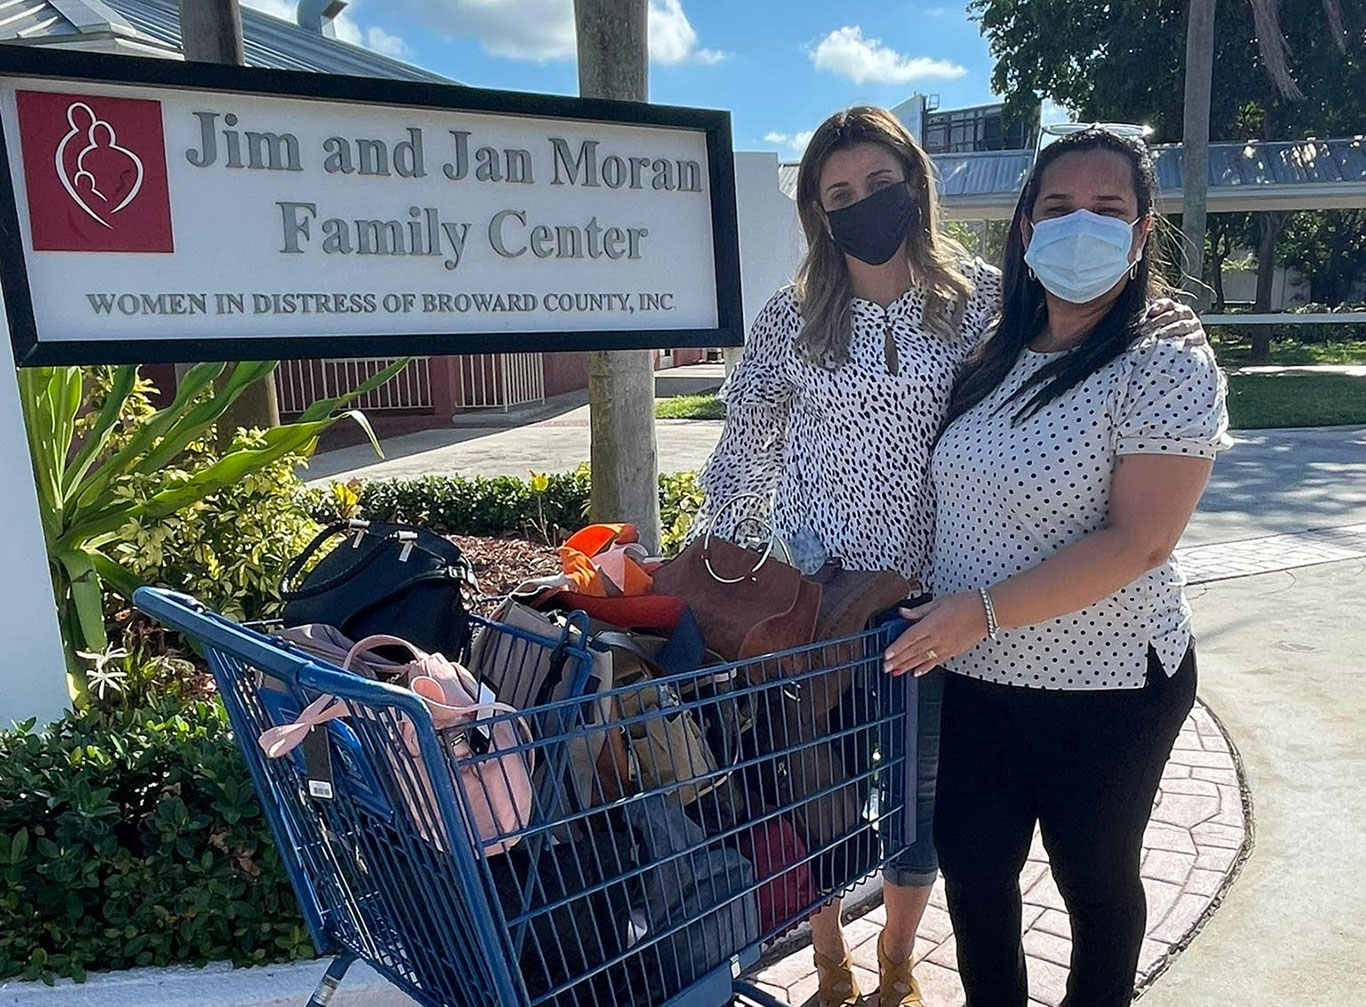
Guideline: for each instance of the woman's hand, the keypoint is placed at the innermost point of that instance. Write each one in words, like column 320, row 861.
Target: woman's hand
column 1168, row 319
column 944, row 628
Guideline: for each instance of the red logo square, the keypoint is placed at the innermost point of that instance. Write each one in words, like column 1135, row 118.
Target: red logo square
column 95, row 171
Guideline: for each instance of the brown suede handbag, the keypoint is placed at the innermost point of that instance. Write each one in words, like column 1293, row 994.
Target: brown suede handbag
column 747, row 604
column 849, row 600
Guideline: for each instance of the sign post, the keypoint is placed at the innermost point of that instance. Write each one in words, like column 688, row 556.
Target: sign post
column 157, row 211
column 32, row 660
column 614, row 63
column 212, row 33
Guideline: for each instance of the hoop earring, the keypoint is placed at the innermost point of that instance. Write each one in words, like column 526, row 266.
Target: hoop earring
column 1032, row 274
column 1133, row 271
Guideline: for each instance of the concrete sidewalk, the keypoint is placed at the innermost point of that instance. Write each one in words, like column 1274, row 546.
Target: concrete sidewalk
column 1281, row 664
column 552, row 437
column 1271, row 481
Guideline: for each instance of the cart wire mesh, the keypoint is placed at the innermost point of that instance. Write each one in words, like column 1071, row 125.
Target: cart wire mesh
column 675, row 825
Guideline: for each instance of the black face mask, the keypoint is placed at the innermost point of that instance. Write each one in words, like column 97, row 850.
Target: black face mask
column 874, row 228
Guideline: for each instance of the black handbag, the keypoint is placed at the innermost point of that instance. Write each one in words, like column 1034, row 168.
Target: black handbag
column 385, row 578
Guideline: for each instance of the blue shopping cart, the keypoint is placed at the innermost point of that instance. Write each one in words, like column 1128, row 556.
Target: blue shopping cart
column 663, row 889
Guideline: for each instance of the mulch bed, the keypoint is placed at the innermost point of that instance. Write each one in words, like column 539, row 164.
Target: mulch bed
column 503, row 563
column 500, row 564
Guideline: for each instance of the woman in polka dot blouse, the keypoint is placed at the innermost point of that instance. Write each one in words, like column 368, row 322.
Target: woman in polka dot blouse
column 831, row 415
column 1076, row 448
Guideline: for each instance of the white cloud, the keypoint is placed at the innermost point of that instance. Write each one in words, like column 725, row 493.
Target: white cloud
column 385, row 44
column 866, row 60
column 795, row 142
column 542, row 30
column 673, row 39
column 518, row 29
column 347, row 28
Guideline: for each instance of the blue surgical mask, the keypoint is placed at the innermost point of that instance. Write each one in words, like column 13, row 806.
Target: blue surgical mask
column 1081, row 256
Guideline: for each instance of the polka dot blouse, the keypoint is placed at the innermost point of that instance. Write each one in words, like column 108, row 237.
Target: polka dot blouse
column 1011, row 495
column 843, row 453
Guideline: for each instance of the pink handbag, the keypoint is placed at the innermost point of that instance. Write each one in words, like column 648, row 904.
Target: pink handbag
column 497, row 790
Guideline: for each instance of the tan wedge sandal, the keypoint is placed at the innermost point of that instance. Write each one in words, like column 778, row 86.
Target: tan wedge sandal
column 838, row 987
column 896, row 986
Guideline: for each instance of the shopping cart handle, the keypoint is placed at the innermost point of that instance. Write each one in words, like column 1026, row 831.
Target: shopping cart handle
column 145, row 594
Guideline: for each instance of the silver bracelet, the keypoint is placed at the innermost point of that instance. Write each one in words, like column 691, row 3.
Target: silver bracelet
column 993, row 627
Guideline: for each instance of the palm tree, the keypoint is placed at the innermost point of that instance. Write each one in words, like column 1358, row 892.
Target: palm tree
column 1271, row 41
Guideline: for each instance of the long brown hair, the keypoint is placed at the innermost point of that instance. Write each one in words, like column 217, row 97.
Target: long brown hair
column 822, row 284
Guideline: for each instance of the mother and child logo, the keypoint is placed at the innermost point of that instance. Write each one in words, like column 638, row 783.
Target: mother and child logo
column 95, row 173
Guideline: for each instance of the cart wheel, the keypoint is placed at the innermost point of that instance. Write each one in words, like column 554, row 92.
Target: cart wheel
column 749, row 995
column 331, row 979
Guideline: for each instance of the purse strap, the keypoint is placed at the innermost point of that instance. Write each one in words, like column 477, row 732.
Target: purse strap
column 368, row 557
column 279, row 741
column 380, row 640
column 288, row 593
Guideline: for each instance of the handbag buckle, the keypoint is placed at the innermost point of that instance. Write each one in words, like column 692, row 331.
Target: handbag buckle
column 409, row 539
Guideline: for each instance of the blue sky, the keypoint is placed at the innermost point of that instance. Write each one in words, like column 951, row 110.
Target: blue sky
column 780, row 66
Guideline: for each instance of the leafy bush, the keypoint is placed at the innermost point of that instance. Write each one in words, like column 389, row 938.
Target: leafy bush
column 506, row 505
column 133, row 838
column 230, row 549
column 99, row 454
column 680, row 498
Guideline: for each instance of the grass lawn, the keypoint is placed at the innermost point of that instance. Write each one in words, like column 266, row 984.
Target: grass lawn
column 1237, row 352
column 1295, row 400
column 691, row 407
column 1255, row 401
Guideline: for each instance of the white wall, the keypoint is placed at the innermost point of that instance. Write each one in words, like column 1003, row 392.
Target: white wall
column 771, row 242
column 32, row 668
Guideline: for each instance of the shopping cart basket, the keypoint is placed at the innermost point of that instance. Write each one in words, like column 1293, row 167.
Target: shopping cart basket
column 666, row 893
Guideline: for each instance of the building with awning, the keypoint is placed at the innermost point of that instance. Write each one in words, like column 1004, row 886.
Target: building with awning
column 1244, row 177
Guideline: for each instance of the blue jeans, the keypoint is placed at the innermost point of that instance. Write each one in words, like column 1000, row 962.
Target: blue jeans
column 917, row 866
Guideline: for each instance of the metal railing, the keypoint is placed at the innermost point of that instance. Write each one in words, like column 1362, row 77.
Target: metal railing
column 300, row 383
column 500, row 380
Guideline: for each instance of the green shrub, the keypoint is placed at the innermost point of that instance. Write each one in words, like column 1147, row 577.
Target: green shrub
column 133, row 838
column 506, row 505
column 101, row 454
column 230, row 549
column 680, row 497
column 453, row 505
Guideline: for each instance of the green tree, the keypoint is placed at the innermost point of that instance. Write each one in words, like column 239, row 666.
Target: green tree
column 1125, row 60
column 1329, row 247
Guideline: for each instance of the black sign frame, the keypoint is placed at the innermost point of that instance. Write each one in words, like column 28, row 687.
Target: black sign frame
column 83, row 68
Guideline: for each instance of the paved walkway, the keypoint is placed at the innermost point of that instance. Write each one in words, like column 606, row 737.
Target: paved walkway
column 1192, row 845
column 1282, row 664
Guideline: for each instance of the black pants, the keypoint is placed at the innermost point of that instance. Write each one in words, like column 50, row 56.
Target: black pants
column 1085, row 766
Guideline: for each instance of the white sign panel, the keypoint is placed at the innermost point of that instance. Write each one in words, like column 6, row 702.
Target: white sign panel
column 165, row 211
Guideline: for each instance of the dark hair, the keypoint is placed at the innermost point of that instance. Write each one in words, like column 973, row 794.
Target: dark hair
column 1024, row 310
